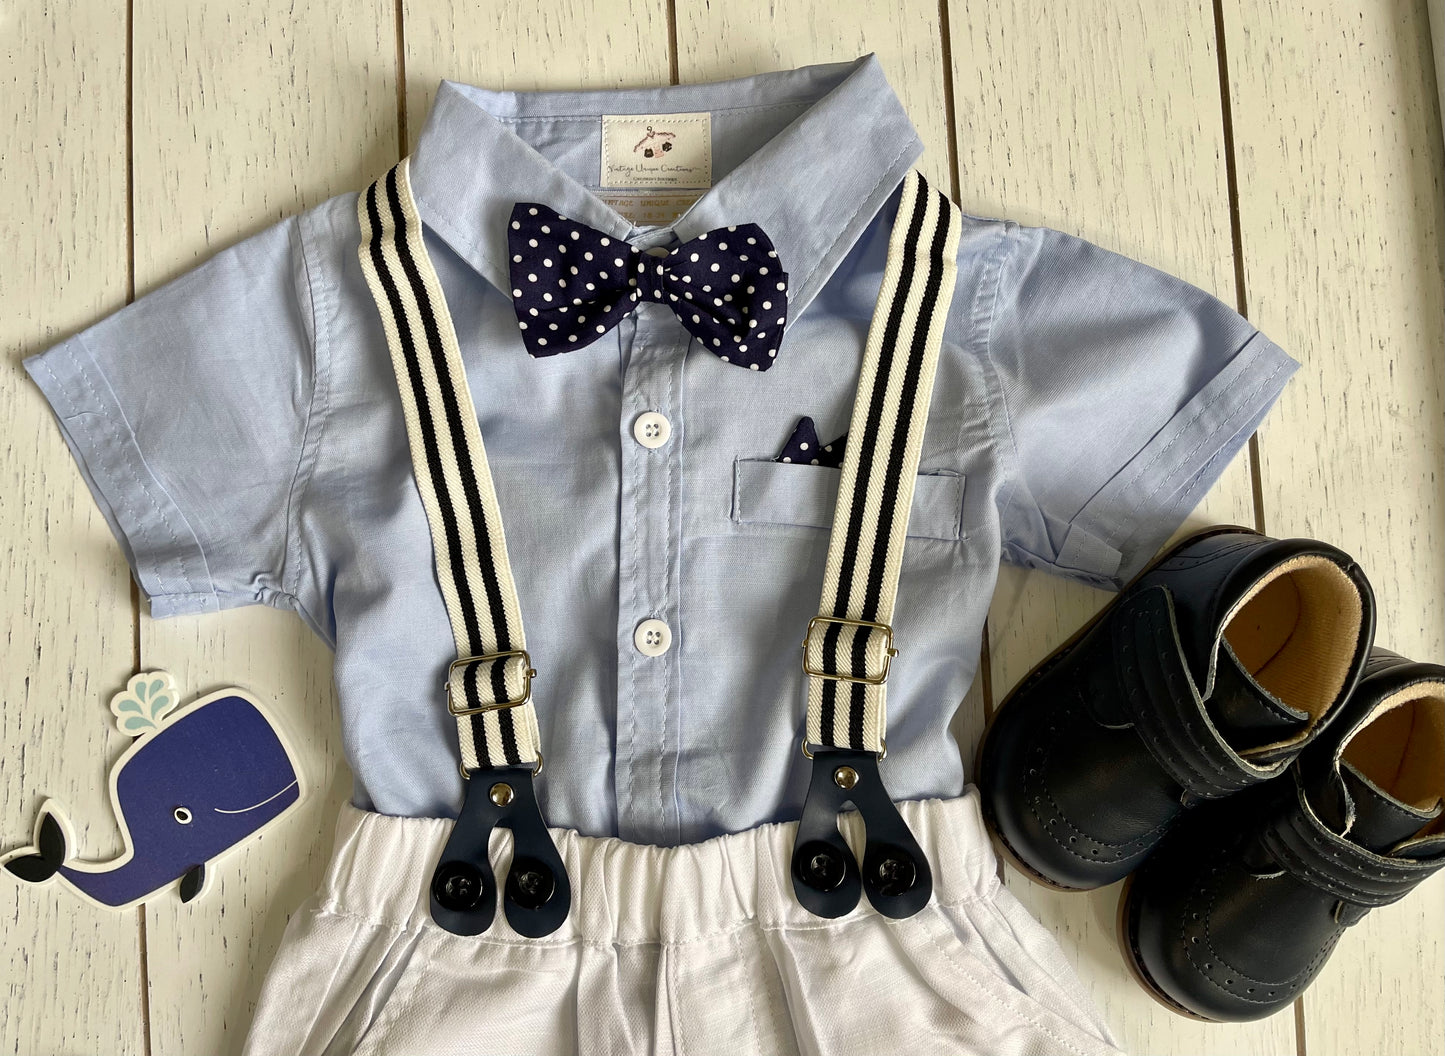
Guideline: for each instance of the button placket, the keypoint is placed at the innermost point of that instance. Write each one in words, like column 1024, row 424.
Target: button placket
column 647, row 677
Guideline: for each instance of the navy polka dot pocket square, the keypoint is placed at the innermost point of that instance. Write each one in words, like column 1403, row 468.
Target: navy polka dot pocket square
column 571, row 284
column 803, row 447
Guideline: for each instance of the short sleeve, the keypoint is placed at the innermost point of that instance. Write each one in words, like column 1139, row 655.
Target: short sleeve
column 186, row 412
column 1125, row 393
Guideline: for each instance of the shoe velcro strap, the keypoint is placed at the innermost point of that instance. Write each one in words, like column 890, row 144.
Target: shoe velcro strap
column 1165, row 706
column 1297, row 839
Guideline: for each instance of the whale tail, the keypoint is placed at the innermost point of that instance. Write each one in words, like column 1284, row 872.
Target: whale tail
column 50, row 853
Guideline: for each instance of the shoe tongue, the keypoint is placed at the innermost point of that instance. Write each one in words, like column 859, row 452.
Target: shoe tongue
column 1372, row 818
column 1251, row 720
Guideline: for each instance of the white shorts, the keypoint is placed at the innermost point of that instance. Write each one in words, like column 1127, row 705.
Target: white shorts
column 695, row 949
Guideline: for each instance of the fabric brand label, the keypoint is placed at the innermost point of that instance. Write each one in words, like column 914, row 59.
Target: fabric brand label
column 657, row 150
column 650, row 210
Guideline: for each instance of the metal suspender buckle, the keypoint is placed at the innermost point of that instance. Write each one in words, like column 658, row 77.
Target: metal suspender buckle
column 528, row 673
column 868, row 680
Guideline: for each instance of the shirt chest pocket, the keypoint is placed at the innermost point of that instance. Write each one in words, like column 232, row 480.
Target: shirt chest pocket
column 768, row 492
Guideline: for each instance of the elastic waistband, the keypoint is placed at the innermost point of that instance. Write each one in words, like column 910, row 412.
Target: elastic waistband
column 635, row 893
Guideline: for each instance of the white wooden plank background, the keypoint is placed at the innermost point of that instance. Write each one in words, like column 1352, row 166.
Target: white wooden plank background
column 138, row 138
column 69, row 970
column 1342, row 213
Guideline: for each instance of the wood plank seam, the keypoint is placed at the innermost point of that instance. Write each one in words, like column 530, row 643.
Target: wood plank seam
column 672, row 58
column 401, row 134
column 1236, row 233
column 135, row 599
column 950, row 122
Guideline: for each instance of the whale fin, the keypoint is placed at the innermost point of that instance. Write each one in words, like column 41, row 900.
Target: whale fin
column 192, row 882
column 50, row 843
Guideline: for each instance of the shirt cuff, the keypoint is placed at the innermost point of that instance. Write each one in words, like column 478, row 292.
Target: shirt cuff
column 163, row 552
column 1123, row 526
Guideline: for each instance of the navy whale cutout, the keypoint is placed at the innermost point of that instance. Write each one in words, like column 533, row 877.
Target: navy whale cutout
column 195, row 784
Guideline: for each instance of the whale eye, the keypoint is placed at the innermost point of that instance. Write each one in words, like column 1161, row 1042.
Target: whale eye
column 182, row 814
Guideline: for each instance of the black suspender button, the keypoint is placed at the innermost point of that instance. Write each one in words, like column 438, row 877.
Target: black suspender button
column 530, row 883
column 458, row 886
column 821, row 866
column 892, row 872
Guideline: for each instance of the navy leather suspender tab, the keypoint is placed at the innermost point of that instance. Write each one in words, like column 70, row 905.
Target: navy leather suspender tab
column 826, row 878
column 463, row 890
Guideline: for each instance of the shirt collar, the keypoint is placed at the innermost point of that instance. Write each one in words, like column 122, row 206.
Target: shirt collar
column 813, row 187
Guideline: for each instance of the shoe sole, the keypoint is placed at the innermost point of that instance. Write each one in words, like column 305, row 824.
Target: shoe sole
column 1001, row 845
column 1124, row 931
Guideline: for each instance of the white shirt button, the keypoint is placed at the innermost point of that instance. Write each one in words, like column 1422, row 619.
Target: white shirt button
column 652, row 638
column 652, row 429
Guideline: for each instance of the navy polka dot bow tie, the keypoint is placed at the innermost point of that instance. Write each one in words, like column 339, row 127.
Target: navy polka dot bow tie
column 571, row 284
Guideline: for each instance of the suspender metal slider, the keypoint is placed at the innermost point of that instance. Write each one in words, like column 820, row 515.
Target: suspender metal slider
column 871, row 627
column 537, row 895
column 518, row 659
column 827, row 879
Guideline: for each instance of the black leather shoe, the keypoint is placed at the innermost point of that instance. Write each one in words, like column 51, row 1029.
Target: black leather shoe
column 1237, row 910
column 1206, row 676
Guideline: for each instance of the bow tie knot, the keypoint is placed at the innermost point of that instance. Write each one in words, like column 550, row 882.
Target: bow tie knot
column 571, row 284
column 651, row 276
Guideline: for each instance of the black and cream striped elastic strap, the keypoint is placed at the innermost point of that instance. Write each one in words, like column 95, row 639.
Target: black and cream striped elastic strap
column 850, row 644
column 488, row 688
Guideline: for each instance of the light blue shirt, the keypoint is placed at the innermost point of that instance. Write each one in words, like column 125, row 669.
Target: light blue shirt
column 241, row 429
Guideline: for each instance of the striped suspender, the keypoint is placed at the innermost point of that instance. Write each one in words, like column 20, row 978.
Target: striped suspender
column 488, row 687
column 849, row 645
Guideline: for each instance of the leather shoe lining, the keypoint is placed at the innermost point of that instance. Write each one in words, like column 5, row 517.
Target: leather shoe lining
column 1400, row 748
column 1295, row 632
